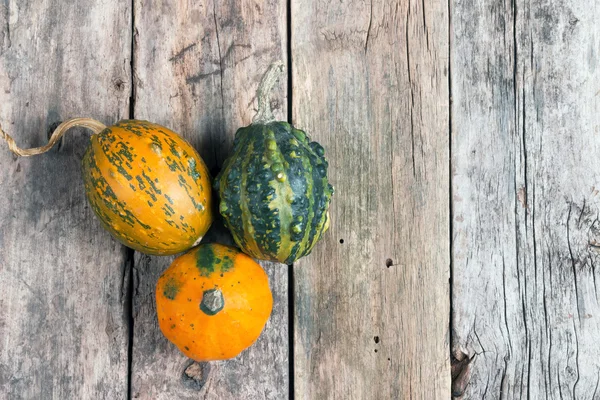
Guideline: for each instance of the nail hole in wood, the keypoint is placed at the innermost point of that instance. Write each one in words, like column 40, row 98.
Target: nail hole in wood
column 341, row 241
column 389, row 262
column 376, row 339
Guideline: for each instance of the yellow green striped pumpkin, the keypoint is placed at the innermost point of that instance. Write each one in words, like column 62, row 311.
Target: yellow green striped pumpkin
column 148, row 186
column 274, row 192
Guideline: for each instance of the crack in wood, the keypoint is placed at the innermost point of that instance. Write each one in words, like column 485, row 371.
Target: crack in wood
column 220, row 72
column 181, row 53
column 369, row 28
column 6, row 40
column 412, row 95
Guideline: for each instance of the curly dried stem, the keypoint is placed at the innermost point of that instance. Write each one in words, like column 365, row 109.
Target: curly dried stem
column 92, row 124
column 265, row 114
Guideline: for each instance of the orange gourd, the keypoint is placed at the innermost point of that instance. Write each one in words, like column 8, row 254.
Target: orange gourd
column 148, row 186
column 213, row 302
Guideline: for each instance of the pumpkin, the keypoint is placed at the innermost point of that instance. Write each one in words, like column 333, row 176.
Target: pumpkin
column 213, row 302
column 274, row 192
column 147, row 185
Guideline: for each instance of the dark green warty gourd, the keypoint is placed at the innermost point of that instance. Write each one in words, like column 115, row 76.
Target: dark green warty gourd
column 273, row 188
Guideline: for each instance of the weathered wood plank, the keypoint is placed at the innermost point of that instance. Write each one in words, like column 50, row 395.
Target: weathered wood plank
column 372, row 302
column 198, row 65
column 525, row 151
column 63, row 314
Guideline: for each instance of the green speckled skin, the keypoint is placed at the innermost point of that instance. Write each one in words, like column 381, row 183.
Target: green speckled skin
column 171, row 289
column 274, row 192
column 148, row 186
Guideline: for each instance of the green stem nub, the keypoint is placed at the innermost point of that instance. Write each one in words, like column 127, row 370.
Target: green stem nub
column 212, row 301
column 264, row 114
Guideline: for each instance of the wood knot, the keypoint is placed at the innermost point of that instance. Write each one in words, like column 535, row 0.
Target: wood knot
column 461, row 373
column 119, row 84
column 195, row 375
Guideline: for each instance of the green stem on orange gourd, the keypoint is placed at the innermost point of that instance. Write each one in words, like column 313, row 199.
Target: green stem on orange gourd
column 212, row 301
column 264, row 114
column 92, row 124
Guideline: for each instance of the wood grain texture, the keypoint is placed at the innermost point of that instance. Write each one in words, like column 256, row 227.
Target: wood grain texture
column 370, row 83
column 525, row 145
column 197, row 68
column 63, row 313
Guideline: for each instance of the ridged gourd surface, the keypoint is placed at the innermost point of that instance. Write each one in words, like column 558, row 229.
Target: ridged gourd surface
column 148, row 186
column 274, row 192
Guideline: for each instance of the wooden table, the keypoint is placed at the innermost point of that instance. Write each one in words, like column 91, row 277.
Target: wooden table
column 464, row 143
